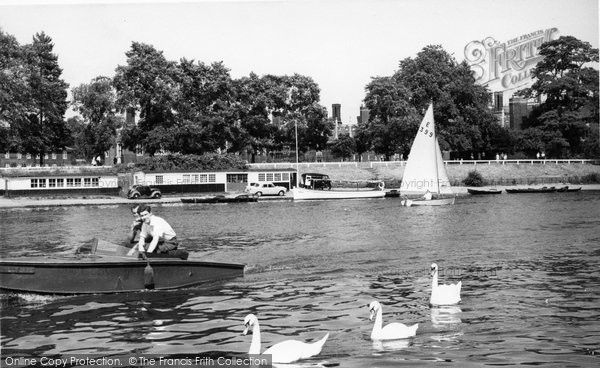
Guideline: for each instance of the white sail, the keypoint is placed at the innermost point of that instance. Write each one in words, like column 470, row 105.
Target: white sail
column 425, row 169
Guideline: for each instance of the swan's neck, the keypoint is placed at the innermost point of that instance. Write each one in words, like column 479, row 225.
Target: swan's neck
column 378, row 326
column 434, row 280
column 255, row 345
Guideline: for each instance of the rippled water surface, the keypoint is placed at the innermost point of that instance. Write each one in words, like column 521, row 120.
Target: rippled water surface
column 529, row 264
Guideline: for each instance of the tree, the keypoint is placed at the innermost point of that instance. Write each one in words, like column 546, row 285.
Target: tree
column 205, row 120
column 13, row 91
column 463, row 119
column 147, row 84
column 255, row 103
column 397, row 103
column 393, row 121
column 344, row 147
column 33, row 96
column 96, row 104
column 78, row 141
column 271, row 107
column 301, row 108
column 569, row 91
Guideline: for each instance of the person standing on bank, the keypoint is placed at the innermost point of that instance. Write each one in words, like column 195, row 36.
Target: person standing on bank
column 162, row 235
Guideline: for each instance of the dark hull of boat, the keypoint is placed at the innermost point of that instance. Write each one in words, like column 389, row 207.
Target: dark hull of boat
column 220, row 199
column 107, row 275
column 532, row 190
column 567, row 189
column 484, row 191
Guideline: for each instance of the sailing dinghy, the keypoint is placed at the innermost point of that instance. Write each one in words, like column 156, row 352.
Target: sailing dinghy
column 425, row 170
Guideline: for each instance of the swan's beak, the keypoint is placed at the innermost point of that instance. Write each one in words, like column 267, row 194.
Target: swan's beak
column 372, row 314
column 246, row 330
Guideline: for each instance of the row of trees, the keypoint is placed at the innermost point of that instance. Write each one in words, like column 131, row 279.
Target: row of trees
column 193, row 108
column 189, row 107
column 181, row 107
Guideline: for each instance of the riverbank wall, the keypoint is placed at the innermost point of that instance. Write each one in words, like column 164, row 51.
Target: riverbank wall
column 500, row 173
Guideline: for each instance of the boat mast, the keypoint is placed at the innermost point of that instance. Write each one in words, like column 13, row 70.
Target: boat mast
column 435, row 146
column 297, row 170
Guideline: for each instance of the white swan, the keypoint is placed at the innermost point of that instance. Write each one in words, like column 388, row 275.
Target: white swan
column 287, row 351
column 391, row 331
column 443, row 294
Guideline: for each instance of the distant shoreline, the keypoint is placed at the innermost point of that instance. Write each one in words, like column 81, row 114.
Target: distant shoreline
column 39, row 202
column 501, row 175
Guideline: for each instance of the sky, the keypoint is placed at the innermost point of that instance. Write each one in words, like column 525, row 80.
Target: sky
column 341, row 44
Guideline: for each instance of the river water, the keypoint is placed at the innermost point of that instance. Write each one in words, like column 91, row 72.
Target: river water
column 529, row 266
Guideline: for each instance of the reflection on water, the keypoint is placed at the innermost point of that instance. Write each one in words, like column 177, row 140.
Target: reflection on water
column 381, row 345
column 444, row 316
column 528, row 265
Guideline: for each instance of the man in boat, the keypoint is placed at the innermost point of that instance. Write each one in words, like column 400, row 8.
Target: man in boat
column 136, row 226
column 156, row 231
column 427, row 196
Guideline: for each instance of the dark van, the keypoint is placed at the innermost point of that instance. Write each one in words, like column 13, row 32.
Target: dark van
column 315, row 181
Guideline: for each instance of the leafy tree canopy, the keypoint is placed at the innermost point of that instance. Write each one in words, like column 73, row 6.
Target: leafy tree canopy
column 463, row 121
column 193, row 108
column 567, row 87
column 33, row 96
column 96, row 104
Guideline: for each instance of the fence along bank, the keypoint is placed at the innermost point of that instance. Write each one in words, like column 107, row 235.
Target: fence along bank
column 106, row 181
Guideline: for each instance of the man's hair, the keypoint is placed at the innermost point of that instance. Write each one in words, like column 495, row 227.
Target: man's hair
column 144, row 208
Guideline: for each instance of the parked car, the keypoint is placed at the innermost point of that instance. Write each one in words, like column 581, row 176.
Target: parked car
column 143, row 191
column 315, row 181
column 266, row 188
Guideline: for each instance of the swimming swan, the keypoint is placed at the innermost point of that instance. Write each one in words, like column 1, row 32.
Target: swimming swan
column 443, row 294
column 287, row 351
column 392, row 331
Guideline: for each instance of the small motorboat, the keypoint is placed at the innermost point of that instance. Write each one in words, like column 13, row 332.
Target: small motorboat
column 484, row 190
column 103, row 267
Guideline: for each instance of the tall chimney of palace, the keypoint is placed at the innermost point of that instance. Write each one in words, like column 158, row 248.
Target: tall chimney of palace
column 336, row 113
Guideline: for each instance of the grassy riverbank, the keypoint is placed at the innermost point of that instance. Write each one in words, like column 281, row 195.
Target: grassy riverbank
column 493, row 173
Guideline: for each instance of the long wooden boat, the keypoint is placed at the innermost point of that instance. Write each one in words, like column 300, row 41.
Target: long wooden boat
column 108, row 269
column 221, row 199
column 566, row 188
column 484, row 191
column 531, row 190
column 569, row 189
column 311, row 194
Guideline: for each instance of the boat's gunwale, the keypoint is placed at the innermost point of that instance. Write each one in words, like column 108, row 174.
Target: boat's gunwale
column 311, row 194
column 110, row 262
